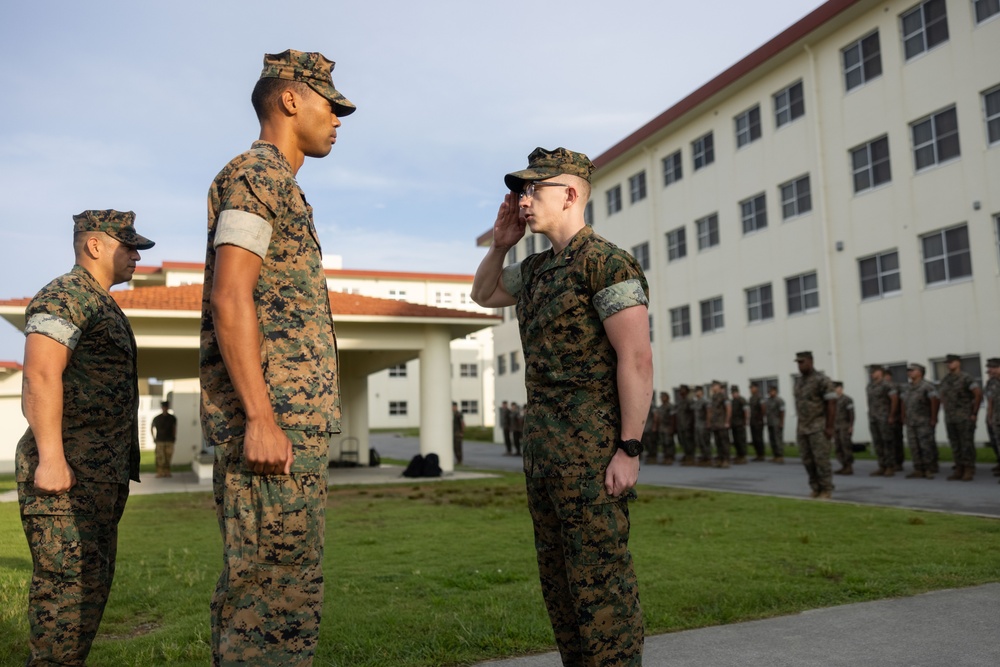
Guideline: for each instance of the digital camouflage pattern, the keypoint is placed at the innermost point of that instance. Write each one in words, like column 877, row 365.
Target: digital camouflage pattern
column 812, row 393
column 717, row 410
column 775, row 407
column 313, row 69
column 845, row 411
column 588, row 582
column 738, row 427
column 992, row 393
column 543, row 164
column 73, row 539
column 880, row 399
column 667, row 416
column 100, row 382
column 842, row 427
column 739, row 405
column 570, row 367
column 957, row 399
column 570, row 435
column 116, row 224
column 702, row 438
column 917, row 402
column 685, row 427
column 268, row 601
column 756, row 410
column 298, row 345
column 879, row 396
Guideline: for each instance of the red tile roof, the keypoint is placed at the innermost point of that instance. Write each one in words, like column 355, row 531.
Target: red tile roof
column 343, row 273
column 11, row 365
column 188, row 297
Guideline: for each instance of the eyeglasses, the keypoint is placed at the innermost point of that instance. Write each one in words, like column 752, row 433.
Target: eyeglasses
column 529, row 189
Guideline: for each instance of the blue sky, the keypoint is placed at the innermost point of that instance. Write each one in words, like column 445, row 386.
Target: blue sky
column 137, row 105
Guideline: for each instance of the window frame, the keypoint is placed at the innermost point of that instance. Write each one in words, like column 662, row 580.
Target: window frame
column 637, row 187
column 755, row 215
column 992, row 122
column 703, row 151
column 922, row 31
column 673, row 168
column 680, row 322
column 863, row 61
column 802, row 307
column 399, row 409
column 797, row 199
column 790, row 105
column 936, row 140
column 871, row 166
column 711, row 233
column 765, row 307
column 641, row 254
column 993, row 5
column 715, row 318
column 752, row 127
column 679, row 233
column 614, row 199
column 946, row 255
column 880, row 275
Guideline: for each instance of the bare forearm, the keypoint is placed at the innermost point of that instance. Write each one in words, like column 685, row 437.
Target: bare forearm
column 635, row 390
column 238, row 333
column 42, row 405
column 486, row 289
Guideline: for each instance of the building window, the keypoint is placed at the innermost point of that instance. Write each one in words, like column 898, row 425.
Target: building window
column 765, row 385
column 397, row 371
column 637, row 187
column 753, row 213
column 708, row 231
column 970, row 364
column 712, row 318
column 946, row 255
column 935, row 138
column 985, row 9
column 862, row 61
column 703, row 151
column 672, row 168
column 614, row 196
column 803, row 293
column 515, row 362
column 442, row 297
column 501, row 364
column 469, row 407
column 870, row 164
column 676, row 244
column 760, row 304
column 748, row 126
column 924, row 27
column 789, row 104
column 680, row 322
column 641, row 254
column 795, row 197
column 879, row 275
column 991, row 105
column 529, row 246
column 588, row 215
column 398, row 294
column 397, row 409
column 468, row 370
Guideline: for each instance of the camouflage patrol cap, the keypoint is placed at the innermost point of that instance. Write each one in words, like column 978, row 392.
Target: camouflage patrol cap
column 993, row 362
column 543, row 163
column 952, row 357
column 799, row 356
column 116, row 224
column 313, row 69
column 838, row 383
column 916, row 367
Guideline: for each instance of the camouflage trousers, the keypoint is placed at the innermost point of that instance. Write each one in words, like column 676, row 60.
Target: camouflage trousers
column 703, row 443
column 585, row 569
column 721, row 438
column 923, row 448
column 963, row 447
column 164, row 455
column 776, row 436
column 882, row 442
column 665, row 441
column 844, row 445
column 686, row 438
column 740, row 440
column 814, row 448
column 757, row 438
column 269, row 597
column 73, row 538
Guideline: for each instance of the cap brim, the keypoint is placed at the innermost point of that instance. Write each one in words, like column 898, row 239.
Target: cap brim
column 142, row 243
column 515, row 181
column 341, row 105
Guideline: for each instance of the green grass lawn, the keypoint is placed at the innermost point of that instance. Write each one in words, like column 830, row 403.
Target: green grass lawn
column 444, row 573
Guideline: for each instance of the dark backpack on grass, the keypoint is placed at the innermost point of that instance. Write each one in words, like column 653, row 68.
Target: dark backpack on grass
column 432, row 466
column 415, row 468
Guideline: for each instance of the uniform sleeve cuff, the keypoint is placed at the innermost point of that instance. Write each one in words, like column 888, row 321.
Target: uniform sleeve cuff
column 245, row 230
column 55, row 328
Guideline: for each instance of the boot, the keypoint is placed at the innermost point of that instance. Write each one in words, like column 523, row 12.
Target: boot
column 889, row 472
column 877, row 473
column 968, row 473
column 686, row 462
column 778, row 459
column 669, row 461
column 958, row 474
column 758, row 459
column 740, row 460
column 916, row 474
column 845, row 470
column 724, row 463
column 825, row 495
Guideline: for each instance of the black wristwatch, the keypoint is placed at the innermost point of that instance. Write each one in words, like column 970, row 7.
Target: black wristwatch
column 630, row 447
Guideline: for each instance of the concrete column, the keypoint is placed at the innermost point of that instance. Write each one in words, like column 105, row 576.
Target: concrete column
column 435, row 396
column 354, row 414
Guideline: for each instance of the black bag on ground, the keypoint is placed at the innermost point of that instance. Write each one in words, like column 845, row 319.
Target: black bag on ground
column 432, row 466
column 374, row 460
column 416, row 467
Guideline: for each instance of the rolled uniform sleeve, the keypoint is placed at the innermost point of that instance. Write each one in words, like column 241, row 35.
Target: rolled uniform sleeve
column 618, row 297
column 245, row 230
column 511, row 279
column 54, row 327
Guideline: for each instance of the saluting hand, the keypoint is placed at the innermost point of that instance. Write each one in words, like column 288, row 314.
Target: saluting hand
column 509, row 227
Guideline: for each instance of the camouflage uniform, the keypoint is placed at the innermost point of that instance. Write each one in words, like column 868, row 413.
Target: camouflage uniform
column 649, row 435
column 757, row 424
column 268, row 600
column 991, row 392
column 842, row 426
column 738, row 423
column 957, row 398
column 717, row 426
column 896, row 427
column 570, row 436
column 919, row 431
column 665, row 435
column 812, row 392
column 879, row 403
column 776, row 425
column 73, row 536
column 702, row 441
column 685, row 427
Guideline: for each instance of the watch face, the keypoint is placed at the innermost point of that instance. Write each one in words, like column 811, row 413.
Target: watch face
column 631, row 447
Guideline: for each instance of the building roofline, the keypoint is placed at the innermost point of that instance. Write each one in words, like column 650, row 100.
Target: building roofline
column 330, row 273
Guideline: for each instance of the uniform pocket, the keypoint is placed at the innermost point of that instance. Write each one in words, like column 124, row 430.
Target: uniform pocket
column 52, row 527
column 288, row 526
